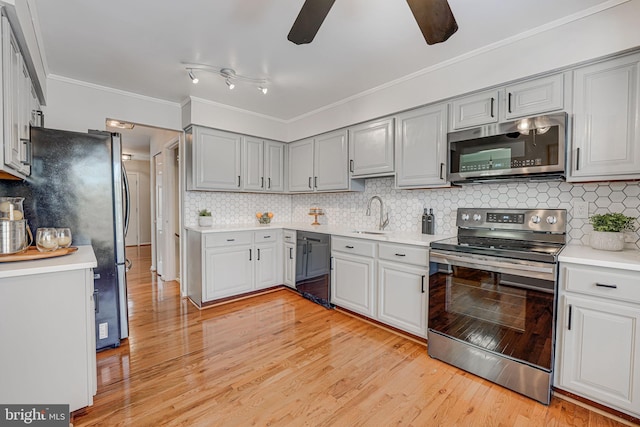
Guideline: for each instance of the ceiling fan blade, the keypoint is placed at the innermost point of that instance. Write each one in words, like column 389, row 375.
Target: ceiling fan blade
column 435, row 19
column 309, row 20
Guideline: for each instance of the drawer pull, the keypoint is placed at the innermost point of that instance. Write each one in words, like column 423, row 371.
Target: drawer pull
column 401, row 255
column 349, row 247
column 266, row 237
column 604, row 285
column 231, row 240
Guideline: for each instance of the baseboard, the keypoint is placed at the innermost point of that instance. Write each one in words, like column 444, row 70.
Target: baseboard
column 596, row 407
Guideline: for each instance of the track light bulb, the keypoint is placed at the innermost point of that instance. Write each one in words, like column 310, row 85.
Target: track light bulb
column 230, row 84
column 263, row 89
column 193, row 77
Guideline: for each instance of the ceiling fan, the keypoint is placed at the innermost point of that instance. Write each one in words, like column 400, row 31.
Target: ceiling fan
column 434, row 18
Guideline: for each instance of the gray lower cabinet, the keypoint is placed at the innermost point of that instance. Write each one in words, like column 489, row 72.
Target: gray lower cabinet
column 386, row 282
column 227, row 264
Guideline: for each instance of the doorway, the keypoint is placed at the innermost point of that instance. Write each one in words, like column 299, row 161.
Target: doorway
column 132, row 238
column 158, row 162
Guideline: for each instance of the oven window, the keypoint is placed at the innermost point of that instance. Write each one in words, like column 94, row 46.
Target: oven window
column 490, row 311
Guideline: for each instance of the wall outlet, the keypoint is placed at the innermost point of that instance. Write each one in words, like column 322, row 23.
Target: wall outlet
column 580, row 209
column 103, row 330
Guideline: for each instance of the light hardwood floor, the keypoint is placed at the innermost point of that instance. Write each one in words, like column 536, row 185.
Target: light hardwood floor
column 280, row 360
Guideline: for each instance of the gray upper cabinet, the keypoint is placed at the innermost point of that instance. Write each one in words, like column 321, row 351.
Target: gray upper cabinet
column 274, row 166
column 474, row 110
column 263, row 165
column 321, row 164
column 215, row 159
column 371, row 149
column 606, row 124
column 421, row 147
column 330, row 162
column 301, row 166
column 538, row 96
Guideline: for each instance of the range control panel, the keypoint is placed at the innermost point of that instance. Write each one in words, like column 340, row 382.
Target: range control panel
column 548, row 220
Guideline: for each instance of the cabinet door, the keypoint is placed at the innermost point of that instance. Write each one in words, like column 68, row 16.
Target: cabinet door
column 301, row 165
column 331, row 162
column 352, row 283
column 228, row 271
column 535, row 97
column 216, row 160
column 474, row 110
column 12, row 88
column 600, row 351
column 274, row 165
column 253, row 153
column 402, row 297
column 371, row 149
column 268, row 265
column 606, row 128
column 421, row 146
column 289, row 256
column 24, row 105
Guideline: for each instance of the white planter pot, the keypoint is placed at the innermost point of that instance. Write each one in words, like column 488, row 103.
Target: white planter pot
column 205, row 221
column 607, row 240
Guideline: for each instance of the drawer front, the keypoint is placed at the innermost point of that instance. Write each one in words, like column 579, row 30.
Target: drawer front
column 353, row 246
column 289, row 236
column 227, row 239
column 603, row 282
column 404, row 253
column 267, row 236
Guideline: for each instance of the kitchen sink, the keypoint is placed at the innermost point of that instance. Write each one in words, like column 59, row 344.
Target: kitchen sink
column 369, row 232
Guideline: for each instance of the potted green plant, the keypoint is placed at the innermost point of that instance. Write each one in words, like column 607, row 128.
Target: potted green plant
column 204, row 218
column 608, row 230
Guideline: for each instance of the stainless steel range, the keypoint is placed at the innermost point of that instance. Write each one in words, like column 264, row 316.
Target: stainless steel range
column 492, row 296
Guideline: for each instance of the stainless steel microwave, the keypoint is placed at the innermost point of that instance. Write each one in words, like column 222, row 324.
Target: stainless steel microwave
column 528, row 148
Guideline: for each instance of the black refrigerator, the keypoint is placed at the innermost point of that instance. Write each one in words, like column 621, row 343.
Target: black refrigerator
column 78, row 181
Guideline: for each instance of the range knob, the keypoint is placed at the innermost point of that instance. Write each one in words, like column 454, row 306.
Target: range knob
column 465, row 217
column 477, row 217
column 535, row 219
column 552, row 219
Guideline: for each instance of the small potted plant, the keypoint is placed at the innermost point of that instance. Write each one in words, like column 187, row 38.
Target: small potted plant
column 204, row 218
column 608, row 231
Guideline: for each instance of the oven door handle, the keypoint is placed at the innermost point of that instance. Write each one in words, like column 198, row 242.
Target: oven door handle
column 500, row 265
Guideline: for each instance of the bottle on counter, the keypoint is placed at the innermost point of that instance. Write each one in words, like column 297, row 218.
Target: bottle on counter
column 424, row 221
column 430, row 222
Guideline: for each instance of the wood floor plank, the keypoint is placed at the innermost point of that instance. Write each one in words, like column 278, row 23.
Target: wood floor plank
column 280, row 360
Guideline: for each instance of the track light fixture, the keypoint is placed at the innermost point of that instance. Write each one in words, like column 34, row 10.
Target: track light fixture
column 229, row 75
column 193, row 77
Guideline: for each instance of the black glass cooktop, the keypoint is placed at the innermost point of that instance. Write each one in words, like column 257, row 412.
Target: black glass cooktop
column 506, row 248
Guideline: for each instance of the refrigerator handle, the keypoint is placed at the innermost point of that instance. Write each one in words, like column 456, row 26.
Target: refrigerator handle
column 127, row 264
column 127, row 205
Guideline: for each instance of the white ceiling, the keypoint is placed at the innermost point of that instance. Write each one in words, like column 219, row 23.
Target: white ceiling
column 138, row 46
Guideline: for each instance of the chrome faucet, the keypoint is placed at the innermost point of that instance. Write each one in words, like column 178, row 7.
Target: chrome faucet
column 383, row 223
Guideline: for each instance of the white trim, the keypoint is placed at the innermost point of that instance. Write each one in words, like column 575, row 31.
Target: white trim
column 234, row 109
column 112, row 90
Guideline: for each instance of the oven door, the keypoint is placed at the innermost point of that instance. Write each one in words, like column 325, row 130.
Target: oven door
column 500, row 305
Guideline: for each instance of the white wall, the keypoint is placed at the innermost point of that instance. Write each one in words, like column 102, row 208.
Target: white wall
column 610, row 31
column 143, row 168
column 78, row 106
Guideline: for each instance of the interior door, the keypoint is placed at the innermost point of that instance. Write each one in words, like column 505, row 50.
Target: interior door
column 160, row 244
column 132, row 237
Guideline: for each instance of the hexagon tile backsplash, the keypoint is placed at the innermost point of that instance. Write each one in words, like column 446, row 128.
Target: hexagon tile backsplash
column 405, row 206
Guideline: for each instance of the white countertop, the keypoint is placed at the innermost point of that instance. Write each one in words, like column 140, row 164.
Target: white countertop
column 409, row 238
column 80, row 260
column 627, row 259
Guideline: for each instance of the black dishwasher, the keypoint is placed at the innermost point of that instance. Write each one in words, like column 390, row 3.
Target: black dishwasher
column 313, row 267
